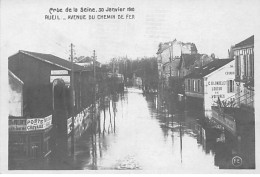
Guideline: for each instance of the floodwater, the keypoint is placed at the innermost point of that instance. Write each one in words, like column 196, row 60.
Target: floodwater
column 136, row 131
column 145, row 132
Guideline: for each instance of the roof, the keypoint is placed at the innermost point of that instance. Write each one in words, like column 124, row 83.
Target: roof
column 83, row 59
column 208, row 68
column 49, row 58
column 163, row 47
column 246, row 42
column 14, row 76
column 166, row 45
column 191, row 45
column 189, row 59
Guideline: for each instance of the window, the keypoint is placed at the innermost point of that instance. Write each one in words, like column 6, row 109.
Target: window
column 194, row 85
column 230, row 86
column 245, row 65
column 198, row 86
column 237, row 66
column 188, row 84
column 191, row 85
column 251, row 65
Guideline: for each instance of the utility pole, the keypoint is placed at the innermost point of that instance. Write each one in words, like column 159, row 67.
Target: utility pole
column 73, row 98
column 93, row 137
column 94, row 87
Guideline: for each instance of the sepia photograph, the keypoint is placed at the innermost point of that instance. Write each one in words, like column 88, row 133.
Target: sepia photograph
column 128, row 86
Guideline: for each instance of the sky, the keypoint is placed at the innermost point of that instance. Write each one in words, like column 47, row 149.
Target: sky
column 212, row 25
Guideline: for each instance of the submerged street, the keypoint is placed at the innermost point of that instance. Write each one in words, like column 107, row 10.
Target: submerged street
column 138, row 132
column 140, row 136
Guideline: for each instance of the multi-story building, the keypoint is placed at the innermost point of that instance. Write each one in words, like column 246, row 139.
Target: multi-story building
column 235, row 114
column 244, row 61
column 169, row 57
column 210, row 83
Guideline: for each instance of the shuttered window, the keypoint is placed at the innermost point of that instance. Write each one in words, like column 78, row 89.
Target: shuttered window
column 230, row 86
column 245, row 65
column 198, row 86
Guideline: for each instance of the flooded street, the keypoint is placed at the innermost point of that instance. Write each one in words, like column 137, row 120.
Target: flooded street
column 137, row 133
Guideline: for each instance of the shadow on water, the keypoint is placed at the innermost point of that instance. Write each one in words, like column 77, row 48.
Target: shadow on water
column 174, row 116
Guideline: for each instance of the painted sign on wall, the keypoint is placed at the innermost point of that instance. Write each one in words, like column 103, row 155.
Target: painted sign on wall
column 30, row 124
column 78, row 119
column 17, row 124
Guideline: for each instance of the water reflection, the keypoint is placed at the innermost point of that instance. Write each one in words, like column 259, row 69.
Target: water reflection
column 155, row 132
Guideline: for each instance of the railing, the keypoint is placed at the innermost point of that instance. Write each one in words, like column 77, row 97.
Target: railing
column 236, row 100
column 228, row 102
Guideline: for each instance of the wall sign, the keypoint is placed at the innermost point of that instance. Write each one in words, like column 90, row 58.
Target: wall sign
column 30, row 124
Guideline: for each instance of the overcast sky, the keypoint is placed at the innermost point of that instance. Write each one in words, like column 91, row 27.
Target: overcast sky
column 212, row 25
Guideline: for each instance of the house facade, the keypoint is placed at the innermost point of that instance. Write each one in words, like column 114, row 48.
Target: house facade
column 38, row 72
column 169, row 58
column 238, row 110
column 244, row 71
column 46, row 99
column 210, row 83
column 29, row 138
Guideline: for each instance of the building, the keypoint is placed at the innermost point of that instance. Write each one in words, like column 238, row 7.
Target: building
column 211, row 82
column 236, row 114
column 47, row 99
column 137, row 81
column 244, row 64
column 189, row 62
column 29, row 138
column 38, row 71
column 86, row 62
column 169, row 57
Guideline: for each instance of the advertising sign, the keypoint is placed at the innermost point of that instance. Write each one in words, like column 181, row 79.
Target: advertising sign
column 17, row 124
column 35, row 124
column 59, row 72
column 47, row 121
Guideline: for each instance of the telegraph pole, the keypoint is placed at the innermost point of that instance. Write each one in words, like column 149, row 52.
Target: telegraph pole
column 93, row 137
column 94, row 87
column 72, row 98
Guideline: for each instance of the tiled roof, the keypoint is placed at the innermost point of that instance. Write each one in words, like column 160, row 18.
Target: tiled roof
column 49, row 58
column 246, row 42
column 208, row 68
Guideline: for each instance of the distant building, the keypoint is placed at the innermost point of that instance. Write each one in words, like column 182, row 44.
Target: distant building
column 137, row 81
column 86, row 62
column 169, row 57
column 211, row 82
column 189, row 62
